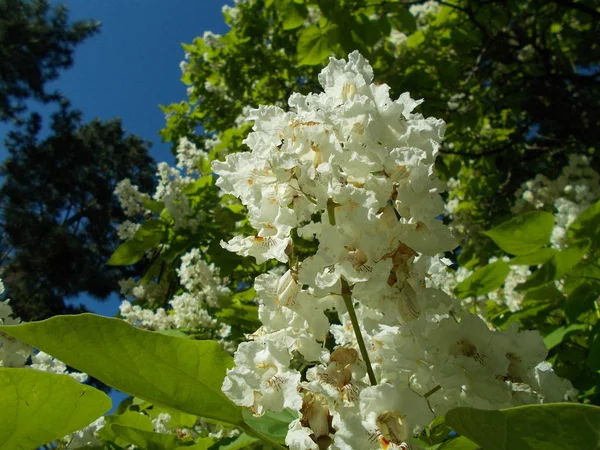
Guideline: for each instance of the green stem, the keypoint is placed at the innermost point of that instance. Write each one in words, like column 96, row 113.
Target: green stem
column 248, row 429
column 347, row 295
column 331, row 211
column 433, row 391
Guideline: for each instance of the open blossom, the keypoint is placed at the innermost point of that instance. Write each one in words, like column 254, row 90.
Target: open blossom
column 354, row 170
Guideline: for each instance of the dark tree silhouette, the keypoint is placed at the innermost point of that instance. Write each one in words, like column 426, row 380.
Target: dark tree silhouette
column 36, row 43
column 58, row 211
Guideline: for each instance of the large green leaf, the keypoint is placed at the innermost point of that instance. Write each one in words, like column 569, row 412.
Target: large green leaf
column 593, row 359
column 557, row 267
column 315, row 44
column 242, row 441
column 523, row 234
column 558, row 335
column 129, row 252
column 586, row 225
column 291, row 13
column 273, row 425
column 181, row 373
column 148, row 236
column 129, row 419
column 39, row 407
column 582, row 299
column 533, row 259
column 201, row 444
column 483, row 280
column 533, row 427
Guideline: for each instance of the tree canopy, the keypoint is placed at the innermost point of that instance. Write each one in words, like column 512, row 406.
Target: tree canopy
column 36, row 44
column 58, row 209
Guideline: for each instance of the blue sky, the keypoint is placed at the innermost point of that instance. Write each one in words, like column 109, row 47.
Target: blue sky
column 131, row 67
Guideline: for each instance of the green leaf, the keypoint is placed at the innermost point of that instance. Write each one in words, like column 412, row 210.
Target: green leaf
column 557, row 267
column 273, row 425
column 154, row 206
column 291, row 14
column 540, row 256
column 483, row 280
column 198, row 185
column 150, row 234
column 532, row 427
column 593, row 359
column 242, row 441
column 148, row 440
column 582, row 299
column 407, row 22
column 129, row 252
column 39, row 407
column 315, row 44
column 459, row 443
column 201, row 444
column 586, row 225
column 415, row 39
column 128, row 418
column 180, row 373
column 558, row 335
column 179, row 419
column 523, row 234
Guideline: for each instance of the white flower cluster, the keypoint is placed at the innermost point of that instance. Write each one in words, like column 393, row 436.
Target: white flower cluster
column 188, row 157
column 170, row 191
column 130, row 197
column 127, row 229
column 506, row 295
column 14, row 353
column 354, row 169
column 86, row 437
column 162, row 424
column 422, row 11
column 188, row 310
column 577, row 187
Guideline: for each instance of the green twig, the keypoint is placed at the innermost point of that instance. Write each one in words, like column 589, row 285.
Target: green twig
column 347, row 295
column 433, row 391
column 331, row 211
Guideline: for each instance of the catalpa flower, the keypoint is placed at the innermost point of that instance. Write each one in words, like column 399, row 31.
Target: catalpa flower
column 356, row 338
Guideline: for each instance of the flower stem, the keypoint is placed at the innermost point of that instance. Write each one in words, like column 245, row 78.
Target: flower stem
column 433, row 391
column 347, row 295
column 331, row 211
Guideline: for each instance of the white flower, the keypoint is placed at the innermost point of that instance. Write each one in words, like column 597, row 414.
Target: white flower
column 130, row 197
column 161, row 423
column 393, row 412
column 86, row 437
column 261, row 378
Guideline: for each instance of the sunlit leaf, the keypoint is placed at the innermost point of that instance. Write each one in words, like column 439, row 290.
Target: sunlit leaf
column 532, row 427
column 523, row 234
column 181, row 373
column 38, row 407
